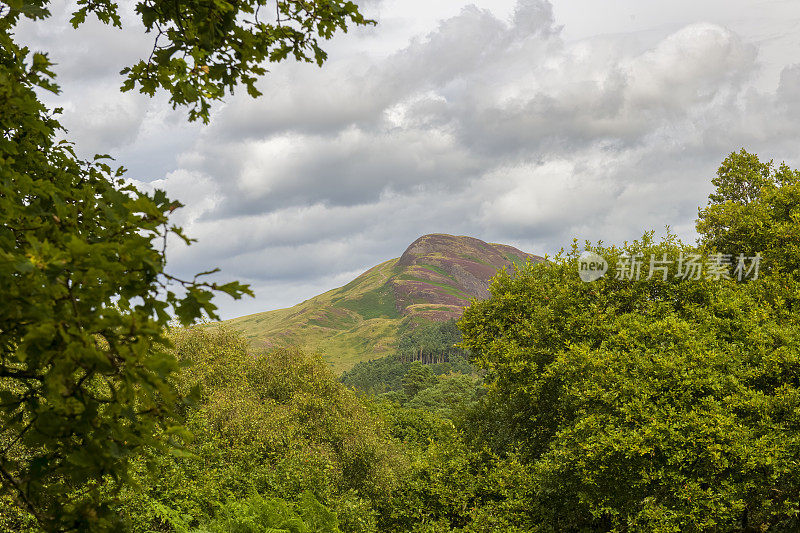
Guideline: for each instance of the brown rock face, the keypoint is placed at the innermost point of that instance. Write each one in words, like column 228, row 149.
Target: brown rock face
column 439, row 274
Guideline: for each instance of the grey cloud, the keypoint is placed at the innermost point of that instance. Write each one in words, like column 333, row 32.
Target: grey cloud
column 94, row 51
column 509, row 130
column 534, row 18
column 788, row 94
column 506, row 119
column 350, row 169
column 308, row 230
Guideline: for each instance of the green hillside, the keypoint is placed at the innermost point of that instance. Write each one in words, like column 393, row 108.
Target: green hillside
column 433, row 280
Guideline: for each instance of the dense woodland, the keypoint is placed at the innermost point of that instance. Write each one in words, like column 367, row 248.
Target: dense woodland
column 654, row 404
column 429, row 371
column 650, row 405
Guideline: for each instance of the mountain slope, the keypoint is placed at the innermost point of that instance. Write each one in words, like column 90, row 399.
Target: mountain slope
column 434, row 279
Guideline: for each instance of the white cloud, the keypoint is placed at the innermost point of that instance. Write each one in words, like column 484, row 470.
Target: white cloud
column 527, row 123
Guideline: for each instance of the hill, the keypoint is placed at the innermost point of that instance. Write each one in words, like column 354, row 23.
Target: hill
column 433, row 280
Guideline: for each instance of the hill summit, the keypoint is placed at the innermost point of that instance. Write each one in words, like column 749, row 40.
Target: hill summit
column 433, row 280
column 438, row 274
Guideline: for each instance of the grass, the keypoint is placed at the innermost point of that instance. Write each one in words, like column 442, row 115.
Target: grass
column 449, row 289
column 436, row 269
column 378, row 303
column 348, row 324
column 477, row 259
column 360, row 320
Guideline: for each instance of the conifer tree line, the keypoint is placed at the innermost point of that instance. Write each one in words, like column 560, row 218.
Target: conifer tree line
column 431, row 343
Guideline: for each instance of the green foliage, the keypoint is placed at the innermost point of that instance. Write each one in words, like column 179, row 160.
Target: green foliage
column 14, row 518
column 385, row 375
column 204, row 49
column 652, row 405
column 85, row 300
column 448, row 395
column 452, row 487
column 84, row 364
column 257, row 514
column 276, row 424
column 415, row 428
column 419, row 377
column 433, row 342
column 377, row 376
column 756, row 208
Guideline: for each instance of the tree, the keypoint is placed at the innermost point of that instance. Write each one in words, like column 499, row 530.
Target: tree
column 204, row 49
column 651, row 404
column 448, row 395
column 256, row 514
column 83, row 361
column 419, row 377
column 435, row 342
column 276, row 424
column 755, row 209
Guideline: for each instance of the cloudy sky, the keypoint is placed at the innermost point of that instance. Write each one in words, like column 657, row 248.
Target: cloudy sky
column 527, row 123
